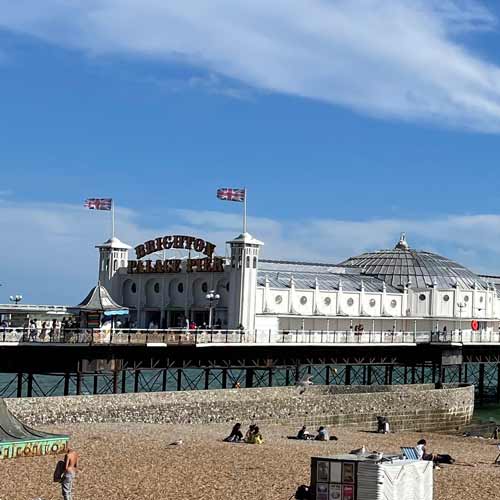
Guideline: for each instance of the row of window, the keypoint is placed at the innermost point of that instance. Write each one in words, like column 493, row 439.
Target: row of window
column 327, row 301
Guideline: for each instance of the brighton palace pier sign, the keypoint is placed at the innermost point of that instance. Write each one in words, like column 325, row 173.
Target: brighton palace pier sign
column 209, row 263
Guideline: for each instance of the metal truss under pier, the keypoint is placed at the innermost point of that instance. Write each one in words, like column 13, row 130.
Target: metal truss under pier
column 65, row 369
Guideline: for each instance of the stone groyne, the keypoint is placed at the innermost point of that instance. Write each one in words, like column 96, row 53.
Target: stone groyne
column 408, row 407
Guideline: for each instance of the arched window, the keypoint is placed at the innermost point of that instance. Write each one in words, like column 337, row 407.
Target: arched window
column 255, row 262
column 248, row 261
column 115, row 265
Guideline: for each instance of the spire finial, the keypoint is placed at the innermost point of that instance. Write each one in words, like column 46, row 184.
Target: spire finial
column 402, row 243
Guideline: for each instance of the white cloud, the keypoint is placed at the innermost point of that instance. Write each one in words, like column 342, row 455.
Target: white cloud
column 48, row 252
column 403, row 59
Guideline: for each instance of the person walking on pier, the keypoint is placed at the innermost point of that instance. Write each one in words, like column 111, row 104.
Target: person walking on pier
column 70, row 468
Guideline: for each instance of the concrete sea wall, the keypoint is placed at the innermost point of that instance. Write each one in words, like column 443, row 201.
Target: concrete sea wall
column 408, row 407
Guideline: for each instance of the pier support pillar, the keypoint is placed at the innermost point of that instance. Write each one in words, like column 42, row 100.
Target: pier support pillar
column 19, row 385
column 480, row 384
column 249, row 378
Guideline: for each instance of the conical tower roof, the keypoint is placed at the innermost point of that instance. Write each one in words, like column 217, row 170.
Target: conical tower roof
column 99, row 299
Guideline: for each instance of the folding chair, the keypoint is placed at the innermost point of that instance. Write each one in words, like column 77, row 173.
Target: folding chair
column 497, row 460
column 410, row 453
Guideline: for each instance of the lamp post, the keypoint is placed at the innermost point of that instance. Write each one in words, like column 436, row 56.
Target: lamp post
column 16, row 298
column 212, row 297
column 461, row 306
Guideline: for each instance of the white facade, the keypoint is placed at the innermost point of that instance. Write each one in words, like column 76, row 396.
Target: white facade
column 392, row 290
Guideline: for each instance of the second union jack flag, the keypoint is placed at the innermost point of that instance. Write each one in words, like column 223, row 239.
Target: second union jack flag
column 229, row 194
column 98, row 203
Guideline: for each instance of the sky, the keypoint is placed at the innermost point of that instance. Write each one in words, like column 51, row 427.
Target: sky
column 347, row 121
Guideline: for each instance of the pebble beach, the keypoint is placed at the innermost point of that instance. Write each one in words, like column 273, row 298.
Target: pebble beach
column 137, row 462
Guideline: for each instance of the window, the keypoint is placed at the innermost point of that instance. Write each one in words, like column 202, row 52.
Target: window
column 446, row 298
column 350, row 301
column 115, row 265
column 372, row 302
column 255, row 262
column 328, row 301
column 422, row 297
column 394, row 303
column 248, row 261
column 278, row 299
column 157, row 288
column 204, row 287
column 481, row 299
column 133, row 288
column 303, row 300
column 227, row 286
column 466, row 298
column 180, row 288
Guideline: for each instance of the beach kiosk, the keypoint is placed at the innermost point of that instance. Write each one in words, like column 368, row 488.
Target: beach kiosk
column 18, row 440
column 97, row 306
column 370, row 477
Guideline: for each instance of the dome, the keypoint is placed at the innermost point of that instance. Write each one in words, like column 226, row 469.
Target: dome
column 402, row 266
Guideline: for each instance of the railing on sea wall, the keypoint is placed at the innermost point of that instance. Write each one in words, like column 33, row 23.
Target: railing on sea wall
column 121, row 336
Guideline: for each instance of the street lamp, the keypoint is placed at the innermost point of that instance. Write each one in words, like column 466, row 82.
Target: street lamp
column 461, row 306
column 16, row 298
column 212, row 297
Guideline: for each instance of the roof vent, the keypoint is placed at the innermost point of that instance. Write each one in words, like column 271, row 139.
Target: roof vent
column 402, row 243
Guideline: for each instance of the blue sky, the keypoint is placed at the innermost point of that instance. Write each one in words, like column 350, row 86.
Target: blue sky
column 347, row 121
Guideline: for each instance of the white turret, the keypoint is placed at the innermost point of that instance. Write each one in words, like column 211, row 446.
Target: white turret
column 243, row 282
column 113, row 255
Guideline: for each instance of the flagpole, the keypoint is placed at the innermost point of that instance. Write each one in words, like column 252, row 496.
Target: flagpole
column 245, row 210
column 112, row 218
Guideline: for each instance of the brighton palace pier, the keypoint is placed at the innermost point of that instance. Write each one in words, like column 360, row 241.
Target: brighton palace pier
column 197, row 319
column 395, row 290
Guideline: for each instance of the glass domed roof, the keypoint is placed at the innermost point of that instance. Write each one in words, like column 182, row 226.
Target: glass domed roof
column 404, row 266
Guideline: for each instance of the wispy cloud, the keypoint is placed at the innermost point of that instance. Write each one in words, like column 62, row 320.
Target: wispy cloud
column 49, row 254
column 404, row 59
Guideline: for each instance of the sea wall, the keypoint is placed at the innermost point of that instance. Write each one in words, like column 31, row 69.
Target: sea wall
column 408, row 407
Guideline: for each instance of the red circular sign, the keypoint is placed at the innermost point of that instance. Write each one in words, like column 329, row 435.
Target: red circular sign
column 474, row 325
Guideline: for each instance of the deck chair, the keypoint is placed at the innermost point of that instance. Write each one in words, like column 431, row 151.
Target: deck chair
column 497, row 460
column 410, row 453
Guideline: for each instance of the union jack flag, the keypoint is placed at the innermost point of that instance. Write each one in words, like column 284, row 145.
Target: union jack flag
column 98, row 203
column 229, row 194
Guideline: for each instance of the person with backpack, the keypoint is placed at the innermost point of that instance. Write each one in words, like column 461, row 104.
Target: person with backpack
column 65, row 473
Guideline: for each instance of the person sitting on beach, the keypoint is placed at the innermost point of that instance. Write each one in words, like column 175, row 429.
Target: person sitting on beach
column 322, row 435
column 236, row 435
column 422, row 454
column 255, row 436
column 304, row 433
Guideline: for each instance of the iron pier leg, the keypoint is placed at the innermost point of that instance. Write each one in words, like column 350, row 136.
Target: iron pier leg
column 179, row 379
column 19, row 385
column 270, row 377
column 115, row 381
column 224, row 378
column 30, row 385
column 327, row 375
column 481, row 383
column 249, row 378
column 136, row 380
column 369, row 375
column 66, row 384
column 124, row 381
column 78, row 382
column 207, row 378
column 164, row 380
column 498, row 382
column 96, row 384
column 347, row 375
column 287, row 376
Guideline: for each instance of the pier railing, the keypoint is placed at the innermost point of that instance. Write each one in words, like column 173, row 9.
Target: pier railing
column 176, row 336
